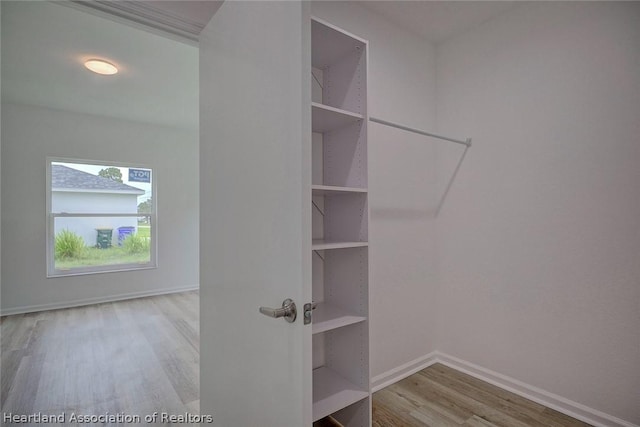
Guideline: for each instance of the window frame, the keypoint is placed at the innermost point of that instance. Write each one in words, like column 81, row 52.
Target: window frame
column 52, row 272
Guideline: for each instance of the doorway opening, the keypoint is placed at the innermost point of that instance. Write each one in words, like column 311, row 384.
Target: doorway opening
column 100, row 212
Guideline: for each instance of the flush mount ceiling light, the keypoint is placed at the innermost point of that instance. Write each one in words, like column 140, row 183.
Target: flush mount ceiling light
column 100, row 66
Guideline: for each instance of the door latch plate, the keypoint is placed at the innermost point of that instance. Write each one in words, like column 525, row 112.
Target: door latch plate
column 308, row 312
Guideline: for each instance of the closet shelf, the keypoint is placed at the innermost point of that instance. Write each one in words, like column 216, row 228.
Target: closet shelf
column 321, row 190
column 330, row 44
column 331, row 392
column 325, row 118
column 321, row 244
column 327, row 317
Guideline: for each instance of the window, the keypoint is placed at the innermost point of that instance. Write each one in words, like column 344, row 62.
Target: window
column 101, row 217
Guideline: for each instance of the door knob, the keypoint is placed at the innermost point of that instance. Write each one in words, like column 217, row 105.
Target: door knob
column 288, row 311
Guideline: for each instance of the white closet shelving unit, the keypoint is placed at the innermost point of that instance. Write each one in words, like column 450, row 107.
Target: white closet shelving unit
column 340, row 226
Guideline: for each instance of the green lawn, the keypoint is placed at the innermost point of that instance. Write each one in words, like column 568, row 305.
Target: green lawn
column 144, row 231
column 110, row 256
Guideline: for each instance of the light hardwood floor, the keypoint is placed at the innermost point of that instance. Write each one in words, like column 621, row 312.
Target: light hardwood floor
column 143, row 355
column 439, row 396
column 136, row 356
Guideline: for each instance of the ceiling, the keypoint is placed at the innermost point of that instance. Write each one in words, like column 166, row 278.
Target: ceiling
column 198, row 12
column 44, row 46
column 183, row 18
column 436, row 21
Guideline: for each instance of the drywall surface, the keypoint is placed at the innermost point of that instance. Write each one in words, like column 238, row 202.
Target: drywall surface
column 401, row 186
column 29, row 135
column 539, row 239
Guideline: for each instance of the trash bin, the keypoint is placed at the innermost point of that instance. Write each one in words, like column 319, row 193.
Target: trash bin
column 104, row 238
column 123, row 233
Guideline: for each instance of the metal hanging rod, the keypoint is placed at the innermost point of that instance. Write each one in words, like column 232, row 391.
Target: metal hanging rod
column 466, row 142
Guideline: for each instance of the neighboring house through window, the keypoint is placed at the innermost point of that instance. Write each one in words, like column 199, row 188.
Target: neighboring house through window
column 100, row 218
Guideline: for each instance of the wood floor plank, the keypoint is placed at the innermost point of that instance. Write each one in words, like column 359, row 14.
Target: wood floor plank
column 432, row 418
column 384, row 416
column 182, row 368
column 194, row 406
column 484, row 410
column 12, row 329
column 136, row 356
column 142, row 383
column 517, row 412
column 444, row 411
column 10, row 362
column 562, row 419
column 190, row 333
column 399, row 410
column 519, row 408
column 476, row 421
column 19, row 398
column 51, row 395
column 491, row 390
column 441, row 395
column 424, row 391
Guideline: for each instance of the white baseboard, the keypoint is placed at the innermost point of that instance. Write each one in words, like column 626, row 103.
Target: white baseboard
column 550, row 400
column 97, row 300
column 401, row 372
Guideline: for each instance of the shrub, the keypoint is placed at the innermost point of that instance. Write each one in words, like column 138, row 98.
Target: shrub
column 68, row 245
column 136, row 244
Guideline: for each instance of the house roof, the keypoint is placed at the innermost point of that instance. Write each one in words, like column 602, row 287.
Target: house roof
column 66, row 178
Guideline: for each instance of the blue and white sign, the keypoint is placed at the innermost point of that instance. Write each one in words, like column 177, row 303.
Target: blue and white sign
column 139, row 175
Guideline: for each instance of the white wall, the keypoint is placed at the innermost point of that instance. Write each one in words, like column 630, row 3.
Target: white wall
column 29, row 135
column 401, row 187
column 539, row 241
column 88, row 202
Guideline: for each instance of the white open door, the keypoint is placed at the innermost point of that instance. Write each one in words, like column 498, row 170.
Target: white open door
column 255, row 214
